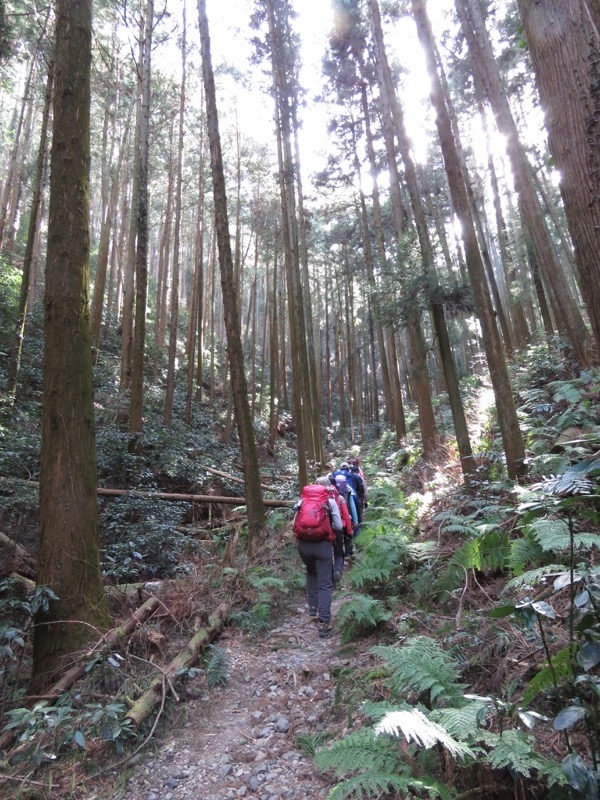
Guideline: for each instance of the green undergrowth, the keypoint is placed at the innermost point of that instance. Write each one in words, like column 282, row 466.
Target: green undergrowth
column 485, row 603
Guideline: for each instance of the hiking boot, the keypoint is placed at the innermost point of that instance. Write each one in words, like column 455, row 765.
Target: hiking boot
column 312, row 613
column 337, row 578
column 324, row 629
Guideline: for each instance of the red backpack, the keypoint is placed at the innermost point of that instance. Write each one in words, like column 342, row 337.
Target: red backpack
column 313, row 519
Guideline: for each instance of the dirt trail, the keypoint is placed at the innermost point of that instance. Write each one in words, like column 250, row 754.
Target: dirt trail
column 241, row 740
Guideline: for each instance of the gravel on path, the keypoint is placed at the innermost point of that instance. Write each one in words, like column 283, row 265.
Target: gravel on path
column 240, row 740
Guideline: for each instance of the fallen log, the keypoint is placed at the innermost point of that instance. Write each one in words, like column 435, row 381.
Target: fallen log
column 110, row 640
column 21, row 561
column 193, row 498
column 144, row 705
column 232, row 477
column 185, row 498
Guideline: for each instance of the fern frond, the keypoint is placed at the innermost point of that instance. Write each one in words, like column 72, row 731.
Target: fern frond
column 361, row 614
column 420, row 665
column 565, row 390
column 360, row 751
column 369, row 784
column 380, row 769
column 533, row 576
column 416, row 727
column 377, row 711
column 217, row 668
column 457, row 523
column 461, row 723
column 421, row 551
column 561, row 664
column 523, row 551
column 553, row 535
column 514, row 749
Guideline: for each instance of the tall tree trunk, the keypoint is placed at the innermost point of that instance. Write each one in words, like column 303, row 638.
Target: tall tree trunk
column 141, row 259
column 68, row 559
column 103, row 248
column 174, row 320
column 129, row 266
column 12, row 167
column 565, row 49
column 435, row 300
column 505, row 405
column 366, row 236
column 253, row 493
column 36, row 202
column 473, row 26
column 418, row 358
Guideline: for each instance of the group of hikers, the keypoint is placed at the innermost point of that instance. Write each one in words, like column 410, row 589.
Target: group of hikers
column 328, row 517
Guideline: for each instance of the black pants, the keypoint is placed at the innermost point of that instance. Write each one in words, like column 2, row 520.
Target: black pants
column 318, row 559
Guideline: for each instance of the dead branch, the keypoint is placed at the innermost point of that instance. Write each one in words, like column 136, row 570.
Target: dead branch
column 107, row 642
column 144, row 705
column 21, row 561
column 232, row 477
column 183, row 498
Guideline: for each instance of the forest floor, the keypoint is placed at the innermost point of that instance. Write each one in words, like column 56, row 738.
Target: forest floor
column 244, row 739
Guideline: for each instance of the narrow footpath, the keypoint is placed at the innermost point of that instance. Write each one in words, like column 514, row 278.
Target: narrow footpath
column 240, row 740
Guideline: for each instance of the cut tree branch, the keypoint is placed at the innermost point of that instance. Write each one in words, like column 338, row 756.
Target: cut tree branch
column 184, row 498
column 144, row 705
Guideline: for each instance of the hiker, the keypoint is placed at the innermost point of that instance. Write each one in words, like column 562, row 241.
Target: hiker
column 354, row 461
column 357, row 482
column 315, row 523
column 336, row 477
column 347, row 548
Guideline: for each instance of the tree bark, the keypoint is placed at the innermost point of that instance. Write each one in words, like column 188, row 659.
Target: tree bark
column 174, row 319
column 473, row 26
column 416, row 341
column 565, row 50
column 68, row 559
column 36, row 204
column 138, row 348
column 505, row 405
column 256, row 514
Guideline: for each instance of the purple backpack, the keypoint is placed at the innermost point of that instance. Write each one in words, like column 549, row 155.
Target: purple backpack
column 340, row 485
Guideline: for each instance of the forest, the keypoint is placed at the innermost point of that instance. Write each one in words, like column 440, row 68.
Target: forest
column 240, row 243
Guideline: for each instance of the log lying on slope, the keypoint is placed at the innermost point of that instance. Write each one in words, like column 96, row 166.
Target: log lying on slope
column 186, row 498
column 194, row 498
column 233, row 478
column 20, row 560
column 143, row 707
column 109, row 641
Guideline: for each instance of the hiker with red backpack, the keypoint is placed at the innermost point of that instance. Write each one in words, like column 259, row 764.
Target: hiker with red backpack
column 316, row 522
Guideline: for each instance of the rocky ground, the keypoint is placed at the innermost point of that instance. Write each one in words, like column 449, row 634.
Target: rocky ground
column 241, row 740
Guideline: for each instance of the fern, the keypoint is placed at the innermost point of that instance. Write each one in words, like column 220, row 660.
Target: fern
column 308, row 743
column 217, row 667
column 264, row 582
column 369, row 784
column 533, row 576
column 488, row 551
column 416, row 727
column 522, row 552
column 461, row 723
column 360, row 751
column 420, row 665
column 360, row 615
column 381, row 557
column 561, row 668
column 513, row 749
column 553, row 535
column 565, row 390
column 380, row 769
column 456, row 523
